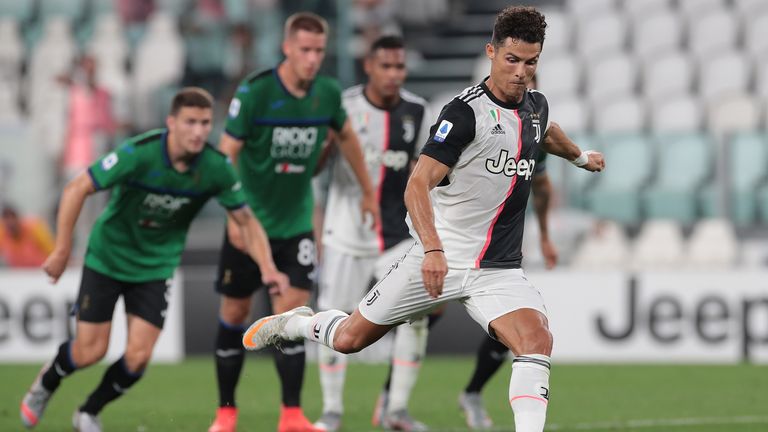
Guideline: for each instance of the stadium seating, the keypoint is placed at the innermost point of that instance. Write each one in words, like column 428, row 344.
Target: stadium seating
column 611, row 77
column 576, row 182
column 668, row 75
column 603, row 34
column 656, row 34
column 11, row 56
column 605, row 247
column 722, row 75
column 625, row 115
column 158, row 63
column 682, row 165
column 559, row 31
column 713, row 245
column 747, row 159
column 644, row 8
column 695, row 8
column 703, row 41
column 20, row 11
column 570, row 113
column 677, row 114
column 756, row 34
column 734, row 113
column 558, row 74
column 617, row 190
column 658, row 246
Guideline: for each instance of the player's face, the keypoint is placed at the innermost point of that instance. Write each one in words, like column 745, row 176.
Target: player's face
column 386, row 71
column 513, row 65
column 190, row 128
column 304, row 52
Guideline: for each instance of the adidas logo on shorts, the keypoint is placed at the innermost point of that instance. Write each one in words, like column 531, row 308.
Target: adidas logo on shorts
column 497, row 130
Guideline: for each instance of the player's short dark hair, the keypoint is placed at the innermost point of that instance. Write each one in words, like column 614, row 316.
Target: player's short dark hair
column 519, row 22
column 191, row 97
column 387, row 42
column 306, row 21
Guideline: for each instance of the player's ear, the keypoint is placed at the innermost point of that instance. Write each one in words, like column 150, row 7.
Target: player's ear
column 490, row 51
column 170, row 121
column 367, row 64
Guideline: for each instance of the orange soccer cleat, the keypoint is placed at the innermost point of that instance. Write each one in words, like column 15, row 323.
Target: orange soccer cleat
column 226, row 420
column 292, row 419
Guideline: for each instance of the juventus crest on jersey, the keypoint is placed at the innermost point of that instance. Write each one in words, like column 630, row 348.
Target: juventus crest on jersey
column 390, row 140
column 491, row 147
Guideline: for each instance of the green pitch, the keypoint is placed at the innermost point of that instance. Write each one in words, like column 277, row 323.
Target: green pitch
column 600, row 398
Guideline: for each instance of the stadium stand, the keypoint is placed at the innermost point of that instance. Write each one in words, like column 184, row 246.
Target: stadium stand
column 624, row 75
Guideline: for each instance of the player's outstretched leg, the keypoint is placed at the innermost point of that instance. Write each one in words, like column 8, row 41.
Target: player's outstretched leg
column 47, row 381
column 333, row 369
column 334, row 329
column 490, row 356
column 409, row 349
column 273, row 330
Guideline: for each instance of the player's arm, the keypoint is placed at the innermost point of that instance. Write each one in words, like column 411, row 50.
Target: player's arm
column 72, row 199
column 556, row 142
column 255, row 240
column 542, row 192
column 349, row 146
column 231, row 147
column 425, row 176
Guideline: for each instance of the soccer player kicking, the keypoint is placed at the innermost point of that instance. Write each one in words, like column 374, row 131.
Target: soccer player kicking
column 160, row 180
column 492, row 354
column 277, row 123
column 392, row 125
column 466, row 202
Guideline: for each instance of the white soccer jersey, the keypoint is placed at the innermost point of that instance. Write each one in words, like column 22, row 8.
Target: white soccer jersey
column 491, row 147
column 390, row 140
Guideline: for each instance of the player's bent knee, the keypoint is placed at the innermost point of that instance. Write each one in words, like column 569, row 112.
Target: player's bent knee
column 347, row 344
column 137, row 359
column 537, row 341
column 87, row 355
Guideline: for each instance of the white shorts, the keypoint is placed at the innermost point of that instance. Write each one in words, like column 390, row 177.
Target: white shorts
column 345, row 277
column 486, row 293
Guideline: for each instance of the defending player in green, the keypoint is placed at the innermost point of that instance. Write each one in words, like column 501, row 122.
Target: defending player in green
column 159, row 180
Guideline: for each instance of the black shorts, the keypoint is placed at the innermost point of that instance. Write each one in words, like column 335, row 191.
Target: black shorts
column 99, row 293
column 239, row 276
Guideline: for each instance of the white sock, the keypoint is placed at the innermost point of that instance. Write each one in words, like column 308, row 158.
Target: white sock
column 320, row 327
column 409, row 349
column 529, row 391
column 333, row 370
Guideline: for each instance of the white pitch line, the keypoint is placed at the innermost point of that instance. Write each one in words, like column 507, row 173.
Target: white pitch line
column 653, row 423
column 631, row 424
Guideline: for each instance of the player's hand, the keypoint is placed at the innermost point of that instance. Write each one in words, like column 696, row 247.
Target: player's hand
column 277, row 281
column 55, row 264
column 596, row 162
column 549, row 252
column 235, row 236
column 433, row 271
column 370, row 210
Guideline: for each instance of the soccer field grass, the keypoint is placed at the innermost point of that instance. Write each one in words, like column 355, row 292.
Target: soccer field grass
column 601, row 398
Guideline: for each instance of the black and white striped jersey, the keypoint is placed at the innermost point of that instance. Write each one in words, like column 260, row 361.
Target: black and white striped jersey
column 491, row 147
column 390, row 140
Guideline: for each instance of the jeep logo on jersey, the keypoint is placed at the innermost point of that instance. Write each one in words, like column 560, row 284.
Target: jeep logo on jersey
column 509, row 166
column 395, row 159
column 168, row 203
column 293, row 142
